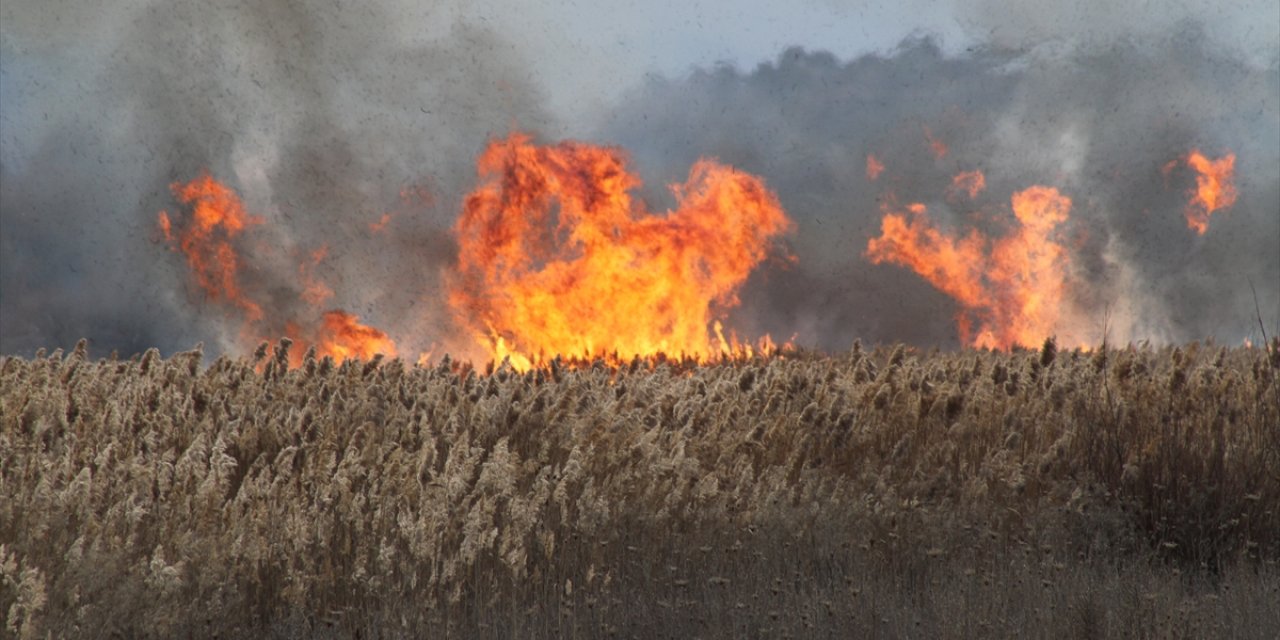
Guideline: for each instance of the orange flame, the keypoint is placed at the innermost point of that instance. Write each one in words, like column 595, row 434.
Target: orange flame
column 874, row 167
column 218, row 217
column 1012, row 287
column 339, row 335
column 968, row 182
column 342, row 336
column 555, row 258
column 936, row 146
column 1214, row 188
column 314, row 290
column 166, row 227
column 375, row 227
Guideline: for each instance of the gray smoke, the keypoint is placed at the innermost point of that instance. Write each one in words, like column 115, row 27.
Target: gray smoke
column 1098, row 123
column 321, row 118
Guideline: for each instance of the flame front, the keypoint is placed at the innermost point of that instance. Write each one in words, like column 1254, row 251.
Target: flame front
column 208, row 239
column 1214, row 190
column 556, row 258
column 1011, row 288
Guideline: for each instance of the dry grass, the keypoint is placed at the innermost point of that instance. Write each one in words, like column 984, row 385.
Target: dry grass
column 880, row 493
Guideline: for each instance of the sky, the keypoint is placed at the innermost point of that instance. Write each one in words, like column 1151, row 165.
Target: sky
column 321, row 113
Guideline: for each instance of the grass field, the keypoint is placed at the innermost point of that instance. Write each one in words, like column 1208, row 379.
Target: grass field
column 881, row 492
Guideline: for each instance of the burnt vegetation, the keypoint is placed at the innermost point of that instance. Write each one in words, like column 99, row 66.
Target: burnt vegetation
column 1126, row 492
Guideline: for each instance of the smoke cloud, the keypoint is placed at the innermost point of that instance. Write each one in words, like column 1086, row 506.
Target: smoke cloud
column 1098, row 123
column 319, row 119
column 325, row 120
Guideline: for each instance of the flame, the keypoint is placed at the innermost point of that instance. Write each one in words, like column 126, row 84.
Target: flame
column 342, row 336
column 936, row 146
column 1214, row 188
column 1012, row 288
column 208, row 240
column 314, row 290
column 874, row 167
column 166, row 226
column 555, row 257
column 217, row 218
column 339, row 335
column 375, row 227
column 968, row 182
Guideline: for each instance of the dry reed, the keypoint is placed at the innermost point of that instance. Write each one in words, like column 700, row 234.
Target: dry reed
column 1117, row 493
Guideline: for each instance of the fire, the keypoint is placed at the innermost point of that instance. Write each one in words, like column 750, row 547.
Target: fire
column 381, row 224
column 874, row 167
column 1011, row 288
column 339, row 335
column 968, row 182
column 555, row 256
column 343, row 337
column 1214, row 188
column 217, row 218
column 936, row 146
column 208, row 239
column 314, row 290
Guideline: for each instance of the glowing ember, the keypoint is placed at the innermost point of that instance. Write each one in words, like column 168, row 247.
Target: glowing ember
column 556, row 258
column 1011, row 288
column 1214, row 188
column 968, row 182
column 217, row 218
column 874, row 167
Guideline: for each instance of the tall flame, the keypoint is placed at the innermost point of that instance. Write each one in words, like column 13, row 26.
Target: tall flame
column 217, row 218
column 556, row 258
column 1011, row 288
column 208, row 240
column 1214, row 188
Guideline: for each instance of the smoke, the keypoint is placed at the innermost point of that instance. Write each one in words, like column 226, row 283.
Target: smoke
column 320, row 119
column 1097, row 122
column 325, row 120
column 1245, row 30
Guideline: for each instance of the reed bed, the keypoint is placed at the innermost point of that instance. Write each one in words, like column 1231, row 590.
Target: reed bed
column 881, row 492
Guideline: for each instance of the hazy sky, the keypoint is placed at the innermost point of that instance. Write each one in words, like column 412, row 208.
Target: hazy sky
column 588, row 52
column 585, row 53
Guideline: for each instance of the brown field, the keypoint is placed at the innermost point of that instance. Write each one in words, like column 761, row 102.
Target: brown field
column 877, row 493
